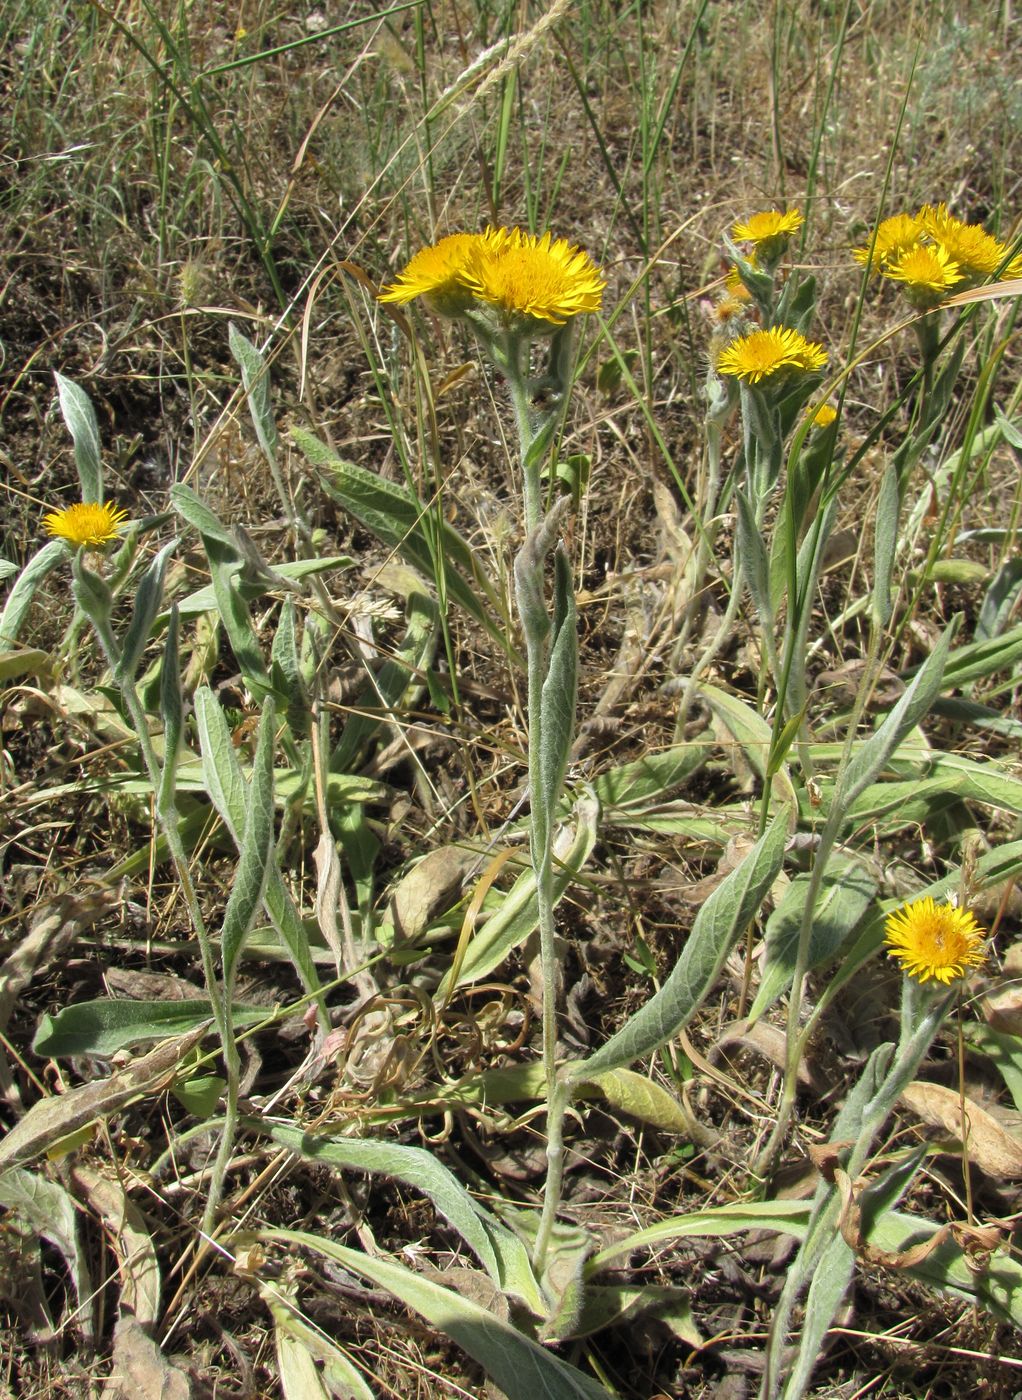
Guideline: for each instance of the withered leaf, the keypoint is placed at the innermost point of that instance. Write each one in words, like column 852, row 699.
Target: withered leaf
column 131, row 1242
column 140, row 1371
column 991, row 1148
column 52, row 1119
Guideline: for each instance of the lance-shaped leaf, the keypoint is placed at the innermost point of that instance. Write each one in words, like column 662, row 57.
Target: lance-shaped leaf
column 226, row 561
column 49, row 1213
column 518, row 915
column 256, row 380
column 719, row 923
column 830, row 1283
column 885, row 545
column 92, row 594
column 845, row 895
column 872, row 754
column 108, row 1025
column 520, row 1366
column 172, row 712
column 560, row 688
column 19, row 600
column 147, row 605
column 226, row 786
column 255, row 854
column 502, row 1254
column 80, row 416
column 754, row 564
column 396, row 516
column 286, row 673
column 62, row 1115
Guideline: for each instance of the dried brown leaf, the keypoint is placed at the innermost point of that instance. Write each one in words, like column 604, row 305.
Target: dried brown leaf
column 991, row 1148
column 1002, row 1009
column 429, row 889
column 54, row 927
column 768, row 1041
column 140, row 1371
column 52, row 1119
column 130, row 1240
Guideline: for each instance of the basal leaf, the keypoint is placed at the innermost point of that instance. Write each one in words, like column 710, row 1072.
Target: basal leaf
column 500, row 1252
column 518, row 1365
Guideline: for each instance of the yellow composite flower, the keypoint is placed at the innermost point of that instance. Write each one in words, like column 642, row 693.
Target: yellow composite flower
column 543, row 278
column 926, row 271
column 977, row 253
column 767, row 225
column 88, row 524
column 893, row 236
column 934, row 941
column 437, row 272
column 822, row 415
column 766, row 352
column 937, row 220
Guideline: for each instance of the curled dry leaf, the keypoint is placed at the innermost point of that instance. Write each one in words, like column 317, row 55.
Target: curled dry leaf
column 429, row 889
column 768, row 1041
column 1002, row 1009
column 977, row 1242
column 991, row 1148
column 734, row 853
column 825, row 1157
column 54, row 927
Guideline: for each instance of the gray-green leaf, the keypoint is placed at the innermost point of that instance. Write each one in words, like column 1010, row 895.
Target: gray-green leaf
column 720, row 921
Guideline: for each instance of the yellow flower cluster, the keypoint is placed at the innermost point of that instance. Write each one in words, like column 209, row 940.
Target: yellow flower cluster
column 768, row 231
column 931, row 251
column 521, row 275
column 762, row 353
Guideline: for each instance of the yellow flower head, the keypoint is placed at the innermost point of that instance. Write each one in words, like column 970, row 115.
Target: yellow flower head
column 822, row 415
column 977, row 253
column 930, row 940
column 926, row 271
column 764, row 353
column 937, row 221
column 893, row 236
column 768, row 225
column 437, row 273
column 89, row 524
column 541, row 278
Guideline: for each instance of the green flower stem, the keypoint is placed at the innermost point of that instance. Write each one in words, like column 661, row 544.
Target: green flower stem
column 922, row 1014
column 797, row 1036
column 717, row 414
column 168, row 817
column 525, row 422
column 761, row 445
column 534, row 428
